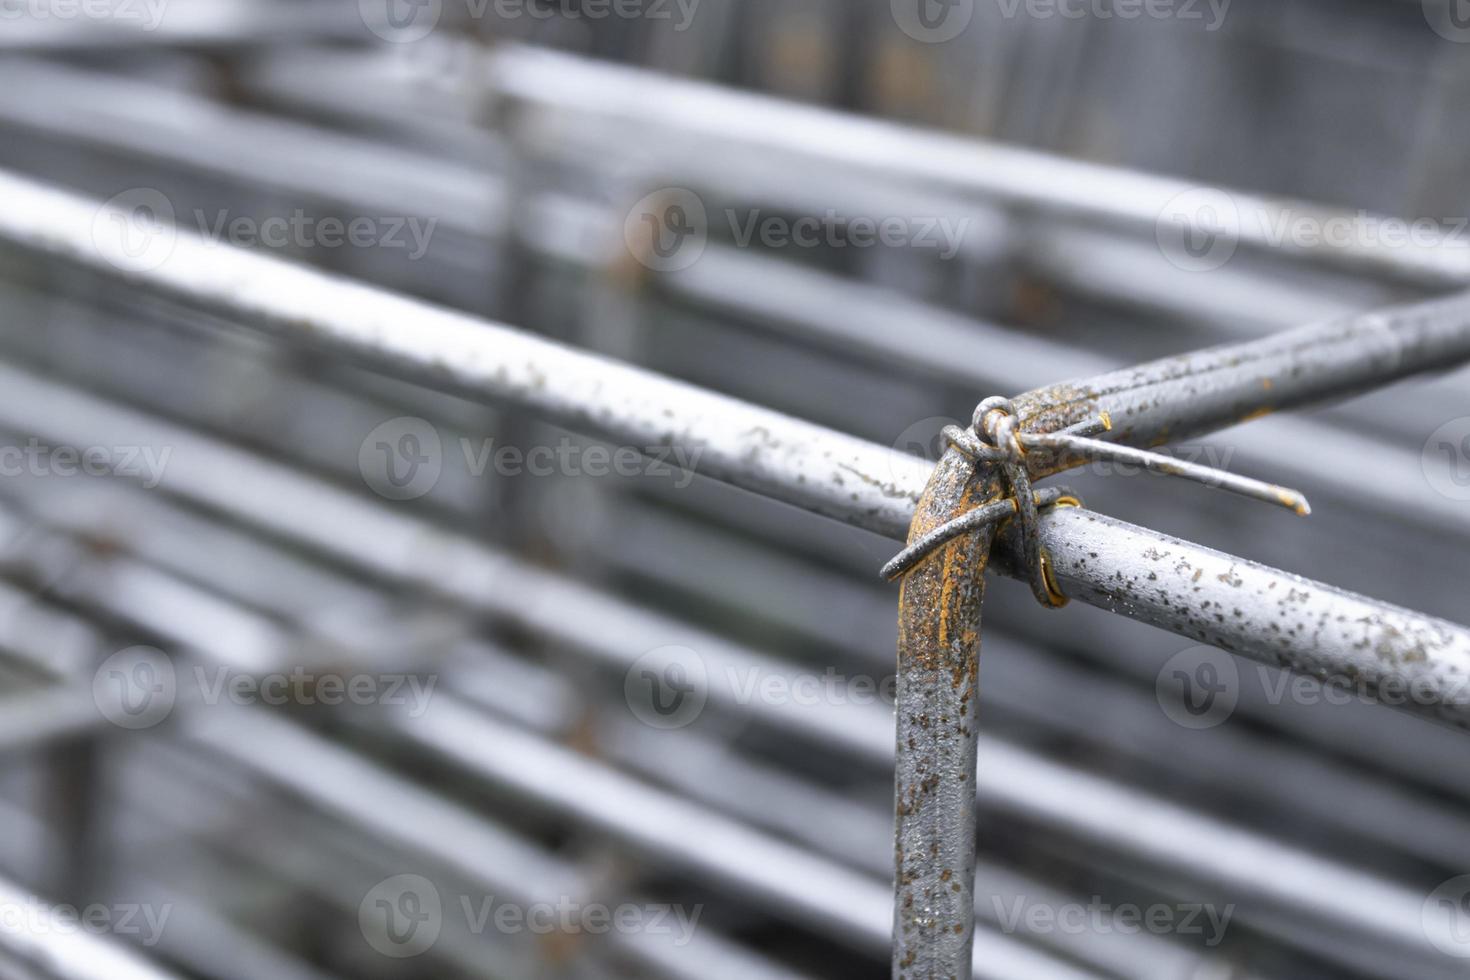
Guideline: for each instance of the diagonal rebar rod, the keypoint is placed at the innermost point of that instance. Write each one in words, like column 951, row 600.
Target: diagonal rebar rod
column 720, row 124
column 781, row 457
column 757, row 449
column 940, row 604
column 281, row 503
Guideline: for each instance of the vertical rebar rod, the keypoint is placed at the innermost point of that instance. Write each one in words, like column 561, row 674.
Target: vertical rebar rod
column 936, row 738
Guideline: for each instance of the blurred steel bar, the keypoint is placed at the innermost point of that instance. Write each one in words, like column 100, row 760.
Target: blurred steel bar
column 828, row 897
column 827, row 308
column 658, row 823
column 340, row 781
column 1011, row 779
column 827, row 820
column 539, row 698
column 204, row 25
column 776, row 455
column 40, row 934
column 393, row 809
column 716, row 120
column 754, row 448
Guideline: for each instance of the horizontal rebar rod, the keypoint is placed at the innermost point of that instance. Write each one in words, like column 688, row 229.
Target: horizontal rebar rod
column 828, row 897
column 544, row 700
column 816, row 306
column 773, row 454
column 1011, row 778
column 713, row 121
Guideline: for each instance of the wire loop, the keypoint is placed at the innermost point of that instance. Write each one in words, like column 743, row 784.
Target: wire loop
column 995, row 438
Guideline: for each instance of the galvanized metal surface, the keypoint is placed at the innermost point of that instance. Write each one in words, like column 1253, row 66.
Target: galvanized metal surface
column 753, row 448
column 724, row 121
column 388, row 544
column 237, row 554
column 937, row 732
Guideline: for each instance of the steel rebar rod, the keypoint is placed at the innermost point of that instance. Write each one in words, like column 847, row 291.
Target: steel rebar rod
column 827, row 897
column 717, row 121
column 753, row 448
column 462, row 198
column 1012, row 780
column 39, row 933
column 514, row 688
column 937, row 732
column 338, row 780
column 644, row 560
column 830, row 309
column 829, row 821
